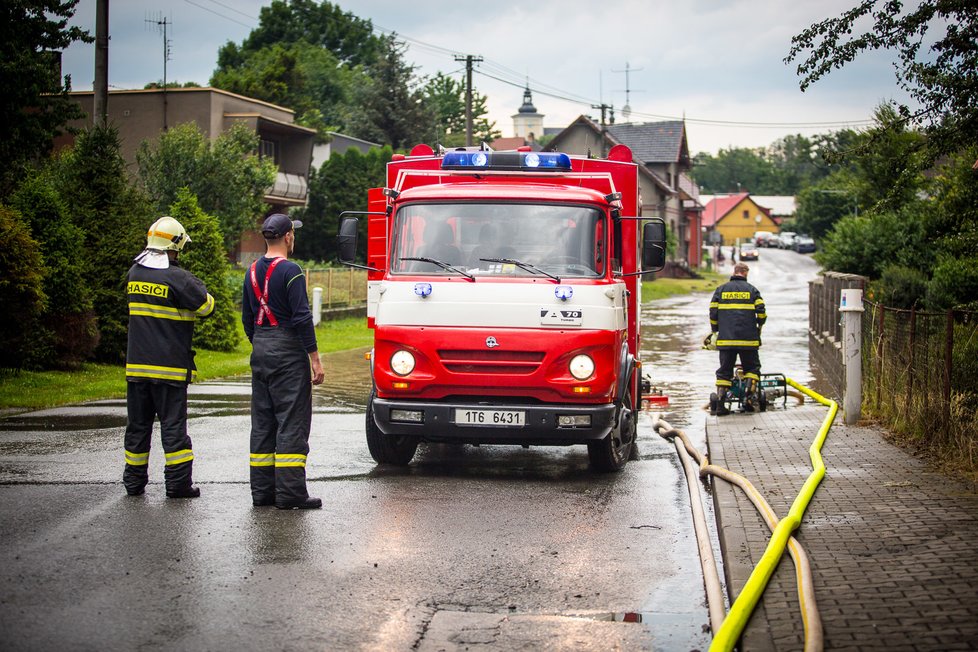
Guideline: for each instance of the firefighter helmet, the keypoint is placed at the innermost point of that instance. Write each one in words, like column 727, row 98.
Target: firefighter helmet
column 166, row 233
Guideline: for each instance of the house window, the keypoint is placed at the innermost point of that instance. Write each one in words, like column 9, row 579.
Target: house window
column 268, row 149
column 746, row 215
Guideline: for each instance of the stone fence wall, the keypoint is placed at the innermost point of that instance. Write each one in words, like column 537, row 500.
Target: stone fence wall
column 825, row 324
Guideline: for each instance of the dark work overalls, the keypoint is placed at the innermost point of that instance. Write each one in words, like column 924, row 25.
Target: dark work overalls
column 281, row 404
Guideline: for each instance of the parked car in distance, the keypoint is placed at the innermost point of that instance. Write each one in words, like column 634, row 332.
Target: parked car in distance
column 763, row 238
column 748, row 251
column 803, row 244
column 786, row 239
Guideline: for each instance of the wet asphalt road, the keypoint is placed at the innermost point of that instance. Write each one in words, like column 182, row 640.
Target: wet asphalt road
column 480, row 548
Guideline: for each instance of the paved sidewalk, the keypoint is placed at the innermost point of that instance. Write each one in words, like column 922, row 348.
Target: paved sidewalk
column 893, row 545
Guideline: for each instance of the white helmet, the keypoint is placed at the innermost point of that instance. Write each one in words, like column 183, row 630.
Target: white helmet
column 166, row 233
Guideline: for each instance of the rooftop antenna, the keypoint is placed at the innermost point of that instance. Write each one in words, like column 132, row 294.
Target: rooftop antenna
column 626, row 111
column 162, row 22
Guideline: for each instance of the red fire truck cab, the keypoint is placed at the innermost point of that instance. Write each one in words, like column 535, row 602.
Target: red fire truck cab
column 504, row 292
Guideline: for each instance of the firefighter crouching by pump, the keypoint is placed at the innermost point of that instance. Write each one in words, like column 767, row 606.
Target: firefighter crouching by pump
column 164, row 303
column 737, row 314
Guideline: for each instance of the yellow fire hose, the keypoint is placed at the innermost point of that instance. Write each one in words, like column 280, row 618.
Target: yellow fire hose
column 729, row 630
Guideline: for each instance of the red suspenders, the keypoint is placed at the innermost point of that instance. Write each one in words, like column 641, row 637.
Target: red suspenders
column 263, row 309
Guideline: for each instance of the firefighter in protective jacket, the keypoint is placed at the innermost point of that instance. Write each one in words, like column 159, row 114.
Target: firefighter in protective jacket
column 164, row 303
column 737, row 314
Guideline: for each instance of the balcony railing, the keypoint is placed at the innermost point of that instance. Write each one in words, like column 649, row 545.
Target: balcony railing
column 289, row 186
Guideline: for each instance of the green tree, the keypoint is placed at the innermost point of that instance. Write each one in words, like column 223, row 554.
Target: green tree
column 393, row 108
column 886, row 161
column 821, row 205
column 304, row 77
column 21, row 288
column 227, row 177
column 868, row 244
column 91, row 179
column 341, row 184
column 66, row 333
column 204, row 257
column 737, row 169
column 446, row 98
column 940, row 74
column 951, row 219
column 349, row 38
column 954, row 284
column 34, row 104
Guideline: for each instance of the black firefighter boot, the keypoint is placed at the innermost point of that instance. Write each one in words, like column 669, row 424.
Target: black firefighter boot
column 722, row 409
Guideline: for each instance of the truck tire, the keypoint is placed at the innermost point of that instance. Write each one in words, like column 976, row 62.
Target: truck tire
column 397, row 450
column 611, row 453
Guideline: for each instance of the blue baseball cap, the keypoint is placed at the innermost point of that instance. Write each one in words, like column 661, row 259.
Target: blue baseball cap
column 276, row 225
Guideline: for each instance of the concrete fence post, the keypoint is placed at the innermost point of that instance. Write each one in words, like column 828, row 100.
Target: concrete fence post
column 851, row 307
column 317, row 305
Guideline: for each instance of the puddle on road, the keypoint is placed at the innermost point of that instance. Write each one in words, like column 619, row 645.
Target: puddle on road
column 673, row 330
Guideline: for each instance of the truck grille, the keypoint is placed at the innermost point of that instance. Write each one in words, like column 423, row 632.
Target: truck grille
column 491, row 362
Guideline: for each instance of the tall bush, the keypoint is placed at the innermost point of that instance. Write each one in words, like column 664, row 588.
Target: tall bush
column 954, row 284
column 91, row 178
column 227, row 177
column 21, row 288
column 204, row 257
column 66, row 334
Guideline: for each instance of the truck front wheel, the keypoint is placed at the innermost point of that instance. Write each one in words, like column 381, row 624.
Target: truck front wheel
column 611, row 453
column 387, row 449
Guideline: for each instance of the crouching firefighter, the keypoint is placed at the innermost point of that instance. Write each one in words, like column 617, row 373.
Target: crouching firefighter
column 284, row 365
column 164, row 303
column 737, row 314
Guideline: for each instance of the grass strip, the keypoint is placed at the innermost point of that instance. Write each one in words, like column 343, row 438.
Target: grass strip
column 39, row 389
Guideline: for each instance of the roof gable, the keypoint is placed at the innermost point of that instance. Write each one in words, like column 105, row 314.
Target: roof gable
column 654, row 142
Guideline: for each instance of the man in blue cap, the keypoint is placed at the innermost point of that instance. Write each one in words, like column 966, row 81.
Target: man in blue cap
column 284, row 365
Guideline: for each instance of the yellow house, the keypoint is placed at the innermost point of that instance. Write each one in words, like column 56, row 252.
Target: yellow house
column 735, row 218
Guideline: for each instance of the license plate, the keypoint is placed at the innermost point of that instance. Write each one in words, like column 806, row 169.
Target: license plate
column 467, row 417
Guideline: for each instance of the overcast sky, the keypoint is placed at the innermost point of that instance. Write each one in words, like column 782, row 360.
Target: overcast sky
column 716, row 63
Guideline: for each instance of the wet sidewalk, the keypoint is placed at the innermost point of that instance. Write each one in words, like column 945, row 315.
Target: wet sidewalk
column 893, row 545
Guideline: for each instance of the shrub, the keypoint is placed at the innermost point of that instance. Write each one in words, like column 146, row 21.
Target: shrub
column 954, row 284
column 901, row 287
column 205, row 258
column 21, row 289
column 66, row 334
column 91, row 178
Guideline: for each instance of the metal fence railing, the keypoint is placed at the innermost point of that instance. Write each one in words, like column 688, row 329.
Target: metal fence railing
column 919, row 375
column 342, row 287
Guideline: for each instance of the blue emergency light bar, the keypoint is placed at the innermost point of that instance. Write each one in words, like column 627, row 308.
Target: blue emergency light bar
column 505, row 161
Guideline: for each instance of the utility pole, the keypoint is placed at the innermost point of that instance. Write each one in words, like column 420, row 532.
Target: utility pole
column 606, row 111
column 100, row 108
column 469, row 60
column 161, row 24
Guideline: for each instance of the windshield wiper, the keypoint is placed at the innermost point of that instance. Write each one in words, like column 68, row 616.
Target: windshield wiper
column 444, row 266
column 527, row 266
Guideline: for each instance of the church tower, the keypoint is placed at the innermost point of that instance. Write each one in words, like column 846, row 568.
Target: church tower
column 527, row 123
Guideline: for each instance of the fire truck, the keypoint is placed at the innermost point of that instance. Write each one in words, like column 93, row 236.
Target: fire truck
column 504, row 290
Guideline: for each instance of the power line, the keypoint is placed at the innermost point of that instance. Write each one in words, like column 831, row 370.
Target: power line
column 217, row 13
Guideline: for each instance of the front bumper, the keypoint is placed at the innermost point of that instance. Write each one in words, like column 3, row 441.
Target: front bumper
column 540, row 427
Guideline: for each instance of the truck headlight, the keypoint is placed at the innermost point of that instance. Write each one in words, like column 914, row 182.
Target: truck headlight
column 402, row 363
column 582, row 367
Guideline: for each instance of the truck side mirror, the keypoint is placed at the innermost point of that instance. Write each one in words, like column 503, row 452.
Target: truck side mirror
column 346, row 239
column 653, row 245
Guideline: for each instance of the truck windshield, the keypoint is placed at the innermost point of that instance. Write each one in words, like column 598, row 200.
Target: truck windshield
column 566, row 241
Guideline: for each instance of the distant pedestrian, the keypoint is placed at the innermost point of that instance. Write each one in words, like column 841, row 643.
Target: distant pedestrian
column 164, row 303
column 285, row 365
column 737, row 314
column 733, row 254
